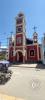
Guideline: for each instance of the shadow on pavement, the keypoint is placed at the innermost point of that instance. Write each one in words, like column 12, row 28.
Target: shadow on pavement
column 5, row 77
column 40, row 66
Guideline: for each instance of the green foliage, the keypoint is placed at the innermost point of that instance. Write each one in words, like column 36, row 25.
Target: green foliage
column 2, row 56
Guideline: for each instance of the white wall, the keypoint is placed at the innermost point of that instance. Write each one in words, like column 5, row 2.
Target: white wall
column 42, row 52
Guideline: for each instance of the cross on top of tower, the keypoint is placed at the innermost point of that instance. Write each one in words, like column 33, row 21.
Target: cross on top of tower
column 11, row 33
column 34, row 28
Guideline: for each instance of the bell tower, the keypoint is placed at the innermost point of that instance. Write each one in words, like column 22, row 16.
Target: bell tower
column 35, row 36
column 20, row 38
column 20, row 23
column 20, row 29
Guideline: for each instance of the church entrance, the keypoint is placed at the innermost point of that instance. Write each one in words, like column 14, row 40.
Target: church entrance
column 19, row 57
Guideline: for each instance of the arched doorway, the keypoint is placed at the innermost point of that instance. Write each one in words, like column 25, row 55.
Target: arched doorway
column 19, row 57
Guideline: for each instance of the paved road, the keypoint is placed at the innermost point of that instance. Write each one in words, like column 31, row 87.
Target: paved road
column 27, row 83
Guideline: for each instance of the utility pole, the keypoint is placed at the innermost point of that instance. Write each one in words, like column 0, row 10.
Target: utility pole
column 0, row 44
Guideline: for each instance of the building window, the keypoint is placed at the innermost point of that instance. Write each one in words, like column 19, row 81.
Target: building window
column 19, row 29
column 19, row 40
column 12, row 43
column 32, row 53
column 35, row 41
column 19, row 21
column 11, row 53
column 21, row 15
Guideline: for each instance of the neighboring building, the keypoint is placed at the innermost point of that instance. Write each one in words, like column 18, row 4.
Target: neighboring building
column 43, row 49
column 21, row 48
column 7, row 54
column 2, row 52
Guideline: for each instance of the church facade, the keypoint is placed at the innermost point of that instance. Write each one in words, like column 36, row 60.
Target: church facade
column 21, row 48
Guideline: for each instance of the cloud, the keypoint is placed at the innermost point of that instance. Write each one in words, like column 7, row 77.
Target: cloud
column 3, row 46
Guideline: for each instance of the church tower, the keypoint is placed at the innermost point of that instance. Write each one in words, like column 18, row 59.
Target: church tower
column 20, row 38
column 20, row 30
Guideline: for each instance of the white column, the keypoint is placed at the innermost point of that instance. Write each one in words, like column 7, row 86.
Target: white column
column 17, row 56
column 24, row 55
column 38, row 51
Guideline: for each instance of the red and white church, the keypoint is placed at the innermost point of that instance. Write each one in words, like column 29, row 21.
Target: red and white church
column 22, row 49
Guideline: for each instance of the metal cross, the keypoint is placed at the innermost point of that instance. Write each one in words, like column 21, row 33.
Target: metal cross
column 34, row 28
column 11, row 33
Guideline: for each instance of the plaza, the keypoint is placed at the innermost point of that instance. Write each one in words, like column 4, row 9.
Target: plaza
column 27, row 82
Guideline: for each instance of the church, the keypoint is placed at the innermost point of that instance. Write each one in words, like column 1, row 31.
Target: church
column 21, row 48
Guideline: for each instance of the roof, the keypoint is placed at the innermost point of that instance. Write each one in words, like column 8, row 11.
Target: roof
column 29, row 41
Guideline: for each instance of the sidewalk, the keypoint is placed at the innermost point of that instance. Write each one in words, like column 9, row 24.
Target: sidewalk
column 25, row 65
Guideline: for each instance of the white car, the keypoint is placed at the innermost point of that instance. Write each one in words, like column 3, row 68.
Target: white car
column 4, row 64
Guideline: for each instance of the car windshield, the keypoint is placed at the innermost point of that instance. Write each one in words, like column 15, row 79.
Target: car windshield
column 4, row 62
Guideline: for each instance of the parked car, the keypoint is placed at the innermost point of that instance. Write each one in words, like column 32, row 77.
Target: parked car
column 4, row 65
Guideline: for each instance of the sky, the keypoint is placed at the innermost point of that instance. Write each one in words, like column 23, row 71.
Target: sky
column 34, row 11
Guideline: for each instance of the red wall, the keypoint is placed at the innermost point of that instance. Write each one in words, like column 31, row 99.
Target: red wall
column 32, row 58
column 19, row 35
column 28, row 48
